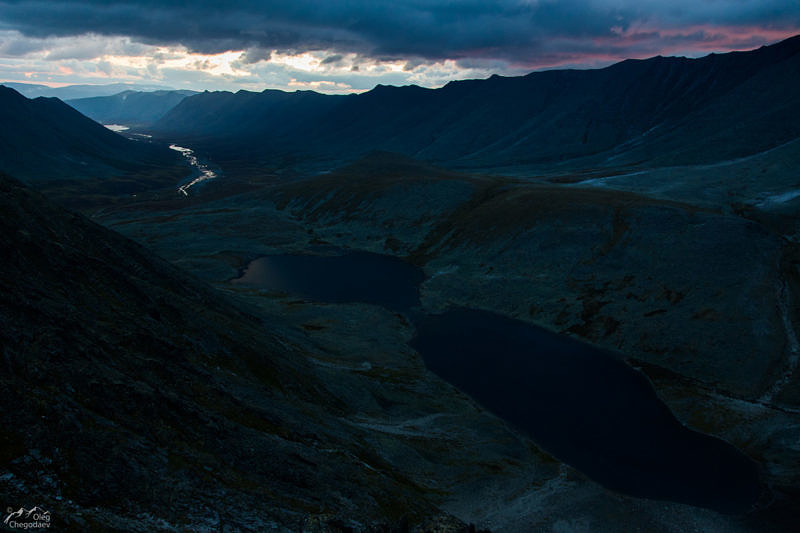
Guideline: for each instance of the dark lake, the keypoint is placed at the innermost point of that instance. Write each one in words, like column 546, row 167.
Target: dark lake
column 351, row 277
column 584, row 405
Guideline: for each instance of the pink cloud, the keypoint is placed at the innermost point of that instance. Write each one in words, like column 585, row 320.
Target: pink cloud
column 640, row 42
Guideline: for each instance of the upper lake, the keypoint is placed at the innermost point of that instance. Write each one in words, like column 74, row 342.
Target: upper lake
column 352, row 277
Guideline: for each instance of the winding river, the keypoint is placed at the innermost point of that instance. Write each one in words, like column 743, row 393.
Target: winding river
column 203, row 172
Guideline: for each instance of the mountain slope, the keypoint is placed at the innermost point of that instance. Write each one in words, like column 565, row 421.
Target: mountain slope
column 44, row 140
column 632, row 110
column 132, row 108
column 138, row 389
column 270, row 114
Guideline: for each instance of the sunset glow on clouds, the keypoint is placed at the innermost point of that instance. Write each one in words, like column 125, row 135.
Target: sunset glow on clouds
column 336, row 48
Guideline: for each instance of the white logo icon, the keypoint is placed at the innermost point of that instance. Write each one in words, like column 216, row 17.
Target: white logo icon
column 36, row 518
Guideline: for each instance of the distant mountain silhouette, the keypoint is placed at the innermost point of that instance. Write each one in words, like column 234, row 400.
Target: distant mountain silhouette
column 33, row 90
column 44, row 139
column 222, row 114
column 133, row 108
column 667, row 110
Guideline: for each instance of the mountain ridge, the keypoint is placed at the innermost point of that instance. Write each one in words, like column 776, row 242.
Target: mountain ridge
column 541, row 118
column 131, row 108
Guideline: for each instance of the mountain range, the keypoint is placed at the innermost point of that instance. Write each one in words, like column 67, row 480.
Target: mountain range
column 131, row 108
column 663, row 110
column 33, row 90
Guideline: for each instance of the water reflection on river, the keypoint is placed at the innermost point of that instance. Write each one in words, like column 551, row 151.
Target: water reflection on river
column 202, row 168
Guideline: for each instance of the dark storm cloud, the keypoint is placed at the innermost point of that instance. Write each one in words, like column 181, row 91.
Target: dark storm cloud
column 332, row 60
column 516, row 31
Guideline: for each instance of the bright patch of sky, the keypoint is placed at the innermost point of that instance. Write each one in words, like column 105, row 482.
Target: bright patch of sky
column 94, row 59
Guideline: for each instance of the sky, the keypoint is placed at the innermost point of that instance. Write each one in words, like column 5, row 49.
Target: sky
column 353, row 45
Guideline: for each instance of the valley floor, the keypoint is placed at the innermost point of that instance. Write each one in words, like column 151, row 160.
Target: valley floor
column 697, row 285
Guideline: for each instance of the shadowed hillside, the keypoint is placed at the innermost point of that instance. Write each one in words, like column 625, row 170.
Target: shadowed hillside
column 44, row 139
column 140, row 389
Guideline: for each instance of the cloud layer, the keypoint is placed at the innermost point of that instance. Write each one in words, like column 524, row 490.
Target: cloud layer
column 345, row 38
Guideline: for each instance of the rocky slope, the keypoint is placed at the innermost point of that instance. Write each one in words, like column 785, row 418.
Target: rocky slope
column 138, row 398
